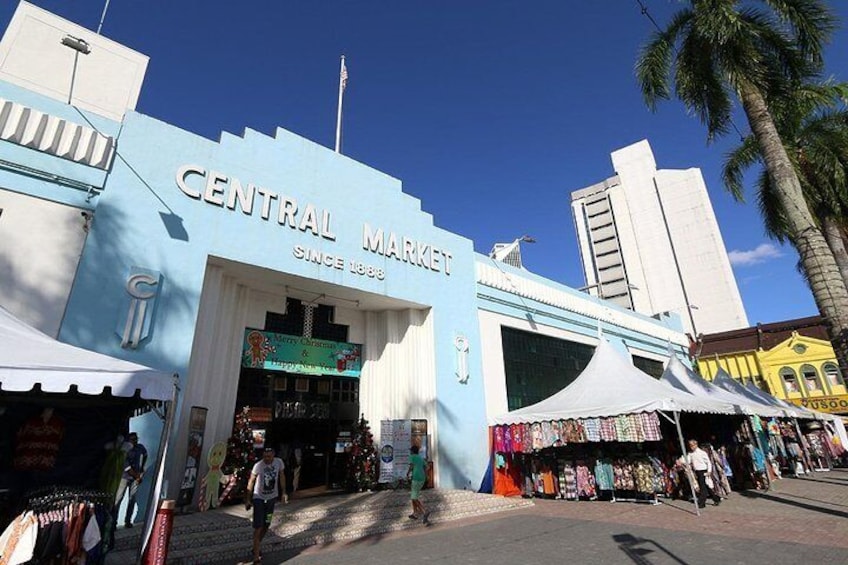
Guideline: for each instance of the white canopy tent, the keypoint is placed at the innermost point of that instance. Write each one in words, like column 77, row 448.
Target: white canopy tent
column 723, row 380
column 773, row 400
column 610, row 386
column 29, row 358
column 683, row 378
column 31, row 361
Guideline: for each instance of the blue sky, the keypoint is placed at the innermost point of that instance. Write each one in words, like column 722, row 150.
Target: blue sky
column 490, row 112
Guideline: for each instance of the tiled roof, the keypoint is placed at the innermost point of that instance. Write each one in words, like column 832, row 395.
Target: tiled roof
column 761, row 336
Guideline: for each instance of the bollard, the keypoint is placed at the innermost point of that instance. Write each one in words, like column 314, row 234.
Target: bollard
column 160, row 537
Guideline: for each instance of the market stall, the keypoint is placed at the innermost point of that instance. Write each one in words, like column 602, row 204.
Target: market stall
column 599, row 437
column 790, row 446
column 61, row 407
column 747, row 450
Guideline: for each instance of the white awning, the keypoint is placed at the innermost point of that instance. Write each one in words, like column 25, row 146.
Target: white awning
column 29, row 358
column 681, row 377
column 610, row 386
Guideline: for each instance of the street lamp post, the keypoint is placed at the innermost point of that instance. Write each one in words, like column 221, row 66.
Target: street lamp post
column 79, row 45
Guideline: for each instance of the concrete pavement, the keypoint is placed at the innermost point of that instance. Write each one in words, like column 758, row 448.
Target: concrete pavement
column 798, row 520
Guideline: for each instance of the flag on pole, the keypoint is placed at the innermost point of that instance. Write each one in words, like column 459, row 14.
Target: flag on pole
column 344, row 75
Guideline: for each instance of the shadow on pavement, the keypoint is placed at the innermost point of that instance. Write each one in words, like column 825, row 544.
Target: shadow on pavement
column 776, row 498
column 838, row 481
column 639, row 550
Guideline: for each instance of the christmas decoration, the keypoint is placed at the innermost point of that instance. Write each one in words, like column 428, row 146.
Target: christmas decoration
column 361, row 472
column 241, row 456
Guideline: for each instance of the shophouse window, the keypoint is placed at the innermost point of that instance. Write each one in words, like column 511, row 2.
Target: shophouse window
column 790, row 381
column 538, row 366
column 811, row 377
column 833, row 374
column 650, row 366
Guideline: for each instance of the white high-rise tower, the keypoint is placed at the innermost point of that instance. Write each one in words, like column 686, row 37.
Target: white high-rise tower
column 650, row 242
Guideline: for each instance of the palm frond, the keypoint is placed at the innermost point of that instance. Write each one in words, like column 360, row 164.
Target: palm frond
column 736, row 162
column 810, row 21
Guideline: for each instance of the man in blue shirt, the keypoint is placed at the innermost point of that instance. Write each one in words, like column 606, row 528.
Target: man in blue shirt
column 134, row 464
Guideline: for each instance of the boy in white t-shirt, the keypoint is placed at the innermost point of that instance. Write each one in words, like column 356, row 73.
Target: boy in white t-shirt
column 265, row 486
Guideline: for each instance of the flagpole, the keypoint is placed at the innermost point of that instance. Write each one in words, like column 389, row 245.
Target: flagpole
column 342, row 71
column 102, row 17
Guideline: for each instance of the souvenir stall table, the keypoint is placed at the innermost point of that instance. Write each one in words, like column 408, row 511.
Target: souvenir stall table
column 61, row 408
column 598, row 438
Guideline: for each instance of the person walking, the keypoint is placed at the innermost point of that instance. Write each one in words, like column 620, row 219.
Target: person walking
column 265, row 486
column 702, row 467
column 417, row 467
column 134, row 466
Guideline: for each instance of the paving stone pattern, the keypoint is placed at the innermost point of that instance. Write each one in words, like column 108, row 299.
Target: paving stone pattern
column 225, row 534
column 800, row 520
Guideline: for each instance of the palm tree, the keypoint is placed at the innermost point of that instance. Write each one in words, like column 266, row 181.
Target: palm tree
column 813, row 124
column 758, row 52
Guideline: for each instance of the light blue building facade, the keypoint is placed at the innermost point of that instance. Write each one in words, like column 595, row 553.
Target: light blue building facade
column 186, row 243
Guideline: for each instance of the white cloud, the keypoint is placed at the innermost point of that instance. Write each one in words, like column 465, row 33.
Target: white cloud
column 760, row 254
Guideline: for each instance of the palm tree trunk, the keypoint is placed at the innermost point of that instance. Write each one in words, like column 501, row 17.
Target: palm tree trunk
column 833, row 235
column 828, row 288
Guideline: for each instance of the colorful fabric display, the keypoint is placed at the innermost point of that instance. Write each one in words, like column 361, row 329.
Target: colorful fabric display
column 570, row 482
column 622, row 426
column 499, row 438
column 651, row 426
column 585, row 481
column 643, row 474
column 608, row 431
column 538, row 439
column 515, row 432
column 592, row 428
column 527, row 438
column 604, row 475
column 507, row 439
column 557, row 431
column 38, row 443
column 636, row 427
column 623, row 475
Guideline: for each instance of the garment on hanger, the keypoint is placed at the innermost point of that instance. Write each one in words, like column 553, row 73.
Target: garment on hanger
column 38, row 442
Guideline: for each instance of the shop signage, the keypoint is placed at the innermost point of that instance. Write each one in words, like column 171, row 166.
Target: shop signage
column 230, row 193
column 302, row 410
column 304, row 355
column 196, row 430
column 396, row 439
column 142, row 286
column 834, row 404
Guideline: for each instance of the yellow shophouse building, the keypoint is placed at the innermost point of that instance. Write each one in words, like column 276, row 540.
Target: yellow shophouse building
column 793, row 360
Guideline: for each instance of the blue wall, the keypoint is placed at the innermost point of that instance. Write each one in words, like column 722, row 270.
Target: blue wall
column 135, row 226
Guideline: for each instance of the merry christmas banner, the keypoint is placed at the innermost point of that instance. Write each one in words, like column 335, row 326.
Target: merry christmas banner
column 303, row 355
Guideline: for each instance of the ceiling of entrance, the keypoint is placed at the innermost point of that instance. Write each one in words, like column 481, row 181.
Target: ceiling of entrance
column 309, row 290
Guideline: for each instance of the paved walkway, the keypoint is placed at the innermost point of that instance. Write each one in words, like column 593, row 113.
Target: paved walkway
column 799, row 520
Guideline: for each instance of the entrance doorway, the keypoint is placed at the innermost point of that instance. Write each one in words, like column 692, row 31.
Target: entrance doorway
column 305, row 414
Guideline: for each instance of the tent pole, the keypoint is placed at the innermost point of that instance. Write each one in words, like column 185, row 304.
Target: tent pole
column 802, row 442
column 683, row 450
column 153, row 498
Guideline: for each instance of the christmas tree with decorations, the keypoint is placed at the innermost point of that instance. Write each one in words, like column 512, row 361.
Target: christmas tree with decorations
column 362, row 466
column 240, row 456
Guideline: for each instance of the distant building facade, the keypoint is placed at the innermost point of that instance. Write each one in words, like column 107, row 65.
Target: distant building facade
column 792, row 360
column 649, row 241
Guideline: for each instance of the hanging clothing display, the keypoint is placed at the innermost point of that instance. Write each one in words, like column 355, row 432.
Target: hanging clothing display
column 71, row 525
column 38, row 442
